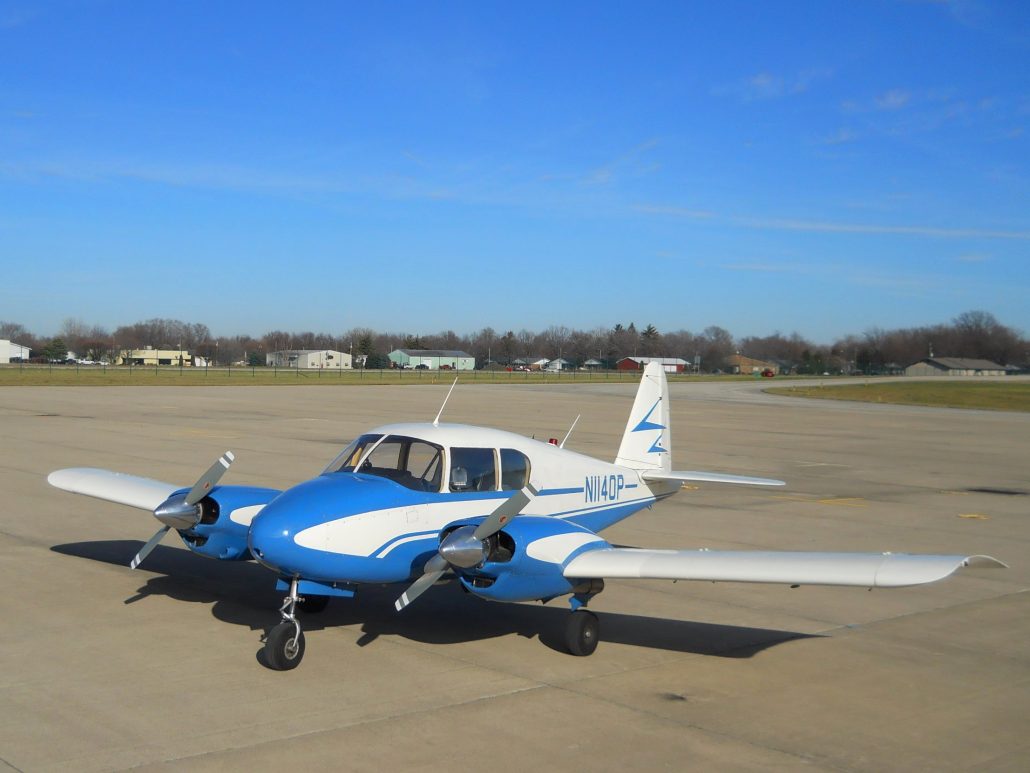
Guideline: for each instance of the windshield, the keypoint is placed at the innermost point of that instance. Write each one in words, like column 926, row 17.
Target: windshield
column 411, row 462
column 352, row 454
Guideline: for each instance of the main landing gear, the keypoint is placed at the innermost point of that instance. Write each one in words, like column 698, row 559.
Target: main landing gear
column 284, row 645
column 582, row 630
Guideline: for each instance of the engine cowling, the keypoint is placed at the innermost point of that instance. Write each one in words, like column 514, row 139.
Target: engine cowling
column 224, row 522
column 526, row 558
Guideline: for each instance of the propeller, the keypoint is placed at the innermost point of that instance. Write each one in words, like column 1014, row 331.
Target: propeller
column 182, row 511
column 466, row 546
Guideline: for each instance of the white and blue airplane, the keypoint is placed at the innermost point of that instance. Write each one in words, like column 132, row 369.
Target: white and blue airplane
column 510, row 518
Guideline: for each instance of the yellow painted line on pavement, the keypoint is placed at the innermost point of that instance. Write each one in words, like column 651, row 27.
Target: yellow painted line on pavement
column 836, row 501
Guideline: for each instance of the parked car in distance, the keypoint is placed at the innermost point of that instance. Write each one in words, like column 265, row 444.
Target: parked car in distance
column 768, row 373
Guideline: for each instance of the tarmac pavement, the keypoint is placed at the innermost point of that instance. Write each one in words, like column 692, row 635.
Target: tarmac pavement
column 104, row 668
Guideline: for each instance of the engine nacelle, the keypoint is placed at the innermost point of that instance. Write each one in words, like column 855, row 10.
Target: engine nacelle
column 527, row 557
column 225, row 519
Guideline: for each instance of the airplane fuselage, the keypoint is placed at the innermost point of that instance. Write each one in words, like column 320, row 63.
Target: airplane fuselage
column 367, row 524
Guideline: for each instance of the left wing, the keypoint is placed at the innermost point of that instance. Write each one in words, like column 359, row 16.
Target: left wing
column 870, row 570
column 132, row 490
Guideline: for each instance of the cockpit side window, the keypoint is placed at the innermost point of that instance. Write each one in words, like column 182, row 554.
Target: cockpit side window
column 473, row 469
column 352, row 454
column 514, row 469
column 411, row 462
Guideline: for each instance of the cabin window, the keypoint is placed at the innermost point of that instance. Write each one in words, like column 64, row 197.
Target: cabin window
column 352, row 454
column 473, row 469
column 425, row 463
column 514, row 469
column 411, row 462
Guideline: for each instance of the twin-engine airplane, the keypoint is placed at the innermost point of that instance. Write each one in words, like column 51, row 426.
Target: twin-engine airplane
column 512, row 519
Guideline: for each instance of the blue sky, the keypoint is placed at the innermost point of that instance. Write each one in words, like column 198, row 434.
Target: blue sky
column 820, row 167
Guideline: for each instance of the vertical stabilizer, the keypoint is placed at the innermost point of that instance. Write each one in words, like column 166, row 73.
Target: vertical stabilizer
column 647, row 442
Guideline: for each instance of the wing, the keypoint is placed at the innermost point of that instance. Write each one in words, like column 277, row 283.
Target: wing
column 870, row 570
column 144, row 493
column 709, row 477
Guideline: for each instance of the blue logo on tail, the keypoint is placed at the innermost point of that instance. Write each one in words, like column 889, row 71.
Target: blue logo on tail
column 645, row 424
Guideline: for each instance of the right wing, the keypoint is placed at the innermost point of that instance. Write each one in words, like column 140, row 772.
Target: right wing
column 870, row 570
column 708, row 477
column 132, row 490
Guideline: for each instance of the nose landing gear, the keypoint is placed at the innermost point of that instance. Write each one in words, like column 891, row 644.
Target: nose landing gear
column 284, row 645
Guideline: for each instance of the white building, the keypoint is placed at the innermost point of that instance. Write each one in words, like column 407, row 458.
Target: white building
column 12, row 351
column 309, row 359
column 557, row 364
column 148, row 355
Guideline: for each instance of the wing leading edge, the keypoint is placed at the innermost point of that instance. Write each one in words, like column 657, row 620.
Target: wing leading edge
column 870, row 570
column 132, row 490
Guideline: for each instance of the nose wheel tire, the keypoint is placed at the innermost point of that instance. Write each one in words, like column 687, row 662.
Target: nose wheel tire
column 284, row 647
column 581, row 633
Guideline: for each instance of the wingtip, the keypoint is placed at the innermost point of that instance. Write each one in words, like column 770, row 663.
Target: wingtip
column 984, row 562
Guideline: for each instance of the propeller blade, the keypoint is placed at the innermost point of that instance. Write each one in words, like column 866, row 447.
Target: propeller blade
column 151, row 544
column 434, row 569
column 437, row 565
column 509, row 508
column 209, row 478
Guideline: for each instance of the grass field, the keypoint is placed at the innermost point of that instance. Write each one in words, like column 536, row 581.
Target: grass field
column 983, row 395
column 93, row 375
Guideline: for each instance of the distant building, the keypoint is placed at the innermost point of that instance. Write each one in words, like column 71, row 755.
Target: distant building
column 954, row 366
column 432, row 359
column 309, row 359
column 738, row 363
column 557, row 364
column 151, row 356
column 533, row 363
column 593, row 364
column 12, row 351
column 669, row 364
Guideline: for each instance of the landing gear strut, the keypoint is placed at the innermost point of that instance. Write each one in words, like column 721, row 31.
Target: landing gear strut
column 284, row 645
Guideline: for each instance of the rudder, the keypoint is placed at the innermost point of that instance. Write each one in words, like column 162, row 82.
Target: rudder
column 647, row 441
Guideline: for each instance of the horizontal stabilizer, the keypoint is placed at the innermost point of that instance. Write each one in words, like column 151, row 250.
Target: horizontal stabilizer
column 869, row 570
column 709, row 477
column 144, row 493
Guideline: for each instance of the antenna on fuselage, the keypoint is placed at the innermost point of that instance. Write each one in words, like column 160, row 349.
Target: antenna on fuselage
column 436, row 421
column 562, row 444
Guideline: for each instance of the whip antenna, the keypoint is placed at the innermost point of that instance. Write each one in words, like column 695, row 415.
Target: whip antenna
column 436, row 421
column 562, row 444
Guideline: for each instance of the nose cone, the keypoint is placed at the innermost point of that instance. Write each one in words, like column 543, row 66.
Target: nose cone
column 272, row 532
column 343, row 505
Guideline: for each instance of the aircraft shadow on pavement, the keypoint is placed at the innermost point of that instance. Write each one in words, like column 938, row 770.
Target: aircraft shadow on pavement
column 243, row 593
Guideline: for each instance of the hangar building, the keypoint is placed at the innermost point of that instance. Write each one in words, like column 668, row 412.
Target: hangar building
column 310, row 359
column 152, row 356
column 954, row 366
column 12, row 351
column 432, row 359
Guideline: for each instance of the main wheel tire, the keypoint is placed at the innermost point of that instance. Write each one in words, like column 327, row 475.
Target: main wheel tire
column 284, row 647
column 312, row 605
column 582, row 632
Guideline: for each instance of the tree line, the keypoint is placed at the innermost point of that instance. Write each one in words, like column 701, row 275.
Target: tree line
column 974, row 334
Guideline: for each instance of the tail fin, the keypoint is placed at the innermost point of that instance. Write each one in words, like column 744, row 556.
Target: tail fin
column 647, row 442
